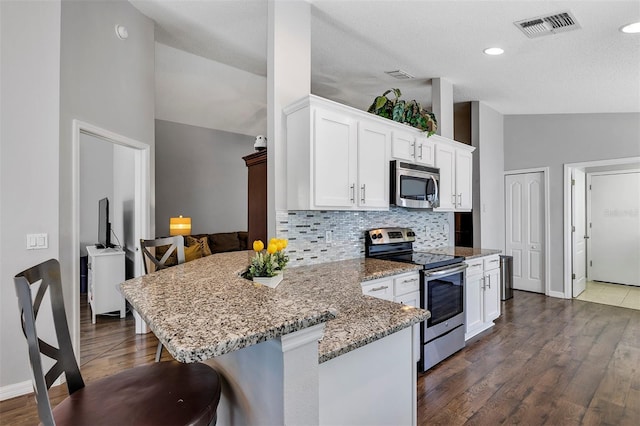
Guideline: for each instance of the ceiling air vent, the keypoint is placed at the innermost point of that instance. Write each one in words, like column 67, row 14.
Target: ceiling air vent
column 548, row 24
column 399, row 74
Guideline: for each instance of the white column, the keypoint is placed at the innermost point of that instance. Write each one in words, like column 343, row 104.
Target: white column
column 288, row 79
column 442, row 101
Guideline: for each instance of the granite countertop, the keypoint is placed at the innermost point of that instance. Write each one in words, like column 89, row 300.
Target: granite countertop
column 466, row 252
column 202, row 309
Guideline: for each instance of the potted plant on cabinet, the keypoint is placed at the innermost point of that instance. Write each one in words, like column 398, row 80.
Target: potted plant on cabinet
column 399, row 110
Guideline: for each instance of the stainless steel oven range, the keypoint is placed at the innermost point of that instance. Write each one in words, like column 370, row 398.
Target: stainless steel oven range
column 441, row 291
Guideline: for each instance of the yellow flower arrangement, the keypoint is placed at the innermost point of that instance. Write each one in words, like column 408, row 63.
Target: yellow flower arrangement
column 270, row 263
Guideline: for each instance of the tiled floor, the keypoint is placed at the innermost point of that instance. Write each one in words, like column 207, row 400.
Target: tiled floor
column 625, row 296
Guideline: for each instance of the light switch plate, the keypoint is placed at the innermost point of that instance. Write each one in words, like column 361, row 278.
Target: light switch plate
column 37, row 241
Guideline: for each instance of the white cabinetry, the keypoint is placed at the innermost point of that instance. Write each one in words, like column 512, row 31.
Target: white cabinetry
column 482, row 294
column 409, row 147
column 402, row 288
column 336, row 160
column 105, row 273
column 455, row 162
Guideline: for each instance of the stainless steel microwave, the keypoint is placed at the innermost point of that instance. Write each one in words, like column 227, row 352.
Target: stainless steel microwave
column 414, row 186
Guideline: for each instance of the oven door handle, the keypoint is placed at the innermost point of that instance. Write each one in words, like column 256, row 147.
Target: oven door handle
column 445, row 271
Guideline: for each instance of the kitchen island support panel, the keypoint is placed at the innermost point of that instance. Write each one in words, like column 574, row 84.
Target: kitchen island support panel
column 372, row 385
column 271, row 383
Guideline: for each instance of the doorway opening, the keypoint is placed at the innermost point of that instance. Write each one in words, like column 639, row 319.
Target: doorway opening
column 137, row 157
column 580, row 276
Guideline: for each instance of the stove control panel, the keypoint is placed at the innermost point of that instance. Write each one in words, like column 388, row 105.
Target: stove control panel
column 390, row 235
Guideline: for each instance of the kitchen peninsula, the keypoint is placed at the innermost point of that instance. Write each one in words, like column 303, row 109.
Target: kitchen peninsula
column 314, row 350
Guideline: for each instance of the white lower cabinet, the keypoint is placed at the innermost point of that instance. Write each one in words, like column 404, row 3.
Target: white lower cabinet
column 403, row 289
column 482, row 294
column 105, row 273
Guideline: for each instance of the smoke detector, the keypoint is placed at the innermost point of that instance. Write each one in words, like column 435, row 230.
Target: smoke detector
column 548, row 24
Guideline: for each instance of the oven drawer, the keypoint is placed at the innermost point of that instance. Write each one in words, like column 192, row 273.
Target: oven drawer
column 444, row 327
column 381, row 288
column 406, row 283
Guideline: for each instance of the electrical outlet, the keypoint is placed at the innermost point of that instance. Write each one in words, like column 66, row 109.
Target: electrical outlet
column 445, row 227
column 328, row 237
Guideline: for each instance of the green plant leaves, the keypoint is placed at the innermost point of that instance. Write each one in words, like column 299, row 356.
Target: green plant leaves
column 397, row 113
column 404, row 112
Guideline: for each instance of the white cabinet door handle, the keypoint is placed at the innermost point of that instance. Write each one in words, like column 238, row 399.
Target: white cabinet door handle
column 459, row 199
column 353, row 193
column 488, row 281
column 413, row 150
column 410, row 281
column 453, row 197
column 363, row 188
column 420, row 146
column 382, row 287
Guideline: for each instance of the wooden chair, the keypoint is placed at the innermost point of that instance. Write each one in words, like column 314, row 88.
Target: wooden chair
column 158, row 393
column 176, row 245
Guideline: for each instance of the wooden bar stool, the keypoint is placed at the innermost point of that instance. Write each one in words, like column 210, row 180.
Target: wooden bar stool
column 161, row 393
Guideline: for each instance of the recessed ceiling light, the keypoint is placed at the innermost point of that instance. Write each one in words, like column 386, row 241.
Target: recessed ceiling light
column 631, row 28
column 493, row 51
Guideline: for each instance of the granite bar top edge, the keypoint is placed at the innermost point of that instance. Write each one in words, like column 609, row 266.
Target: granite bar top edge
column 342, row 278
column 466, row 252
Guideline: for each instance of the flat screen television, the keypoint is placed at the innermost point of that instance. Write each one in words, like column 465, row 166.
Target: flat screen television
column 104, row 227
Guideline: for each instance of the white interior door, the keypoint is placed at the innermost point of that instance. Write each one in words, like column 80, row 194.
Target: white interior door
column 579, row 232
column 614, row 249
column 525, row 229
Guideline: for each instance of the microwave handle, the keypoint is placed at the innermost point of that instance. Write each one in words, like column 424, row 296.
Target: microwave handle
column 435, row 185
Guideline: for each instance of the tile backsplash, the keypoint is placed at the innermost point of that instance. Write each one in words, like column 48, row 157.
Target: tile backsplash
column 306, row 231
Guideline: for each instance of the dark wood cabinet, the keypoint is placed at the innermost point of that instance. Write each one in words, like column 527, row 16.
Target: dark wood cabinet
column 257, row 193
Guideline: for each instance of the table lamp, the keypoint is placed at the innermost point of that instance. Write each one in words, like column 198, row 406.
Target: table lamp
column 180, row 226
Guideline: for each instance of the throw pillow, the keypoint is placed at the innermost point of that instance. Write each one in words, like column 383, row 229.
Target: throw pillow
column 224, row 241
column 192, row 253
column 202, row 242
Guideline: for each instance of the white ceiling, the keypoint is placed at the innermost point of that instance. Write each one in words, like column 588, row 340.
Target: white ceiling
column 593, row 69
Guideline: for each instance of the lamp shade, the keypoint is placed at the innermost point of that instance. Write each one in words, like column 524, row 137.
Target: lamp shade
column 180, row 226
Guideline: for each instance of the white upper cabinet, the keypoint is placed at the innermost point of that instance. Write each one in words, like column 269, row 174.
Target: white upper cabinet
column 455, row 161
column 410, row 147
column 373, row 165
column 336, row 160
column 334, row 153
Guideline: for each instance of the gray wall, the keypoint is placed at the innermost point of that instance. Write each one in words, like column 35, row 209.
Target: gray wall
column 96, row 182
column 488, row 177
column 201, row 174
column 60, row 62
column 553, row 140
column 29, row 132
column 106, row 82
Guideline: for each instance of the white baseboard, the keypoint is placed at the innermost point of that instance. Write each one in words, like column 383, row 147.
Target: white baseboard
column 558, row 294
column 16, row 389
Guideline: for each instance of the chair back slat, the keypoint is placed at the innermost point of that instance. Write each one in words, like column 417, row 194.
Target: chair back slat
column 175, row 244
column 48, row 274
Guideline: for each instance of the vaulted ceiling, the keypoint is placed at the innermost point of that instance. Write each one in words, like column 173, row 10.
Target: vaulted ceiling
column 211, row 56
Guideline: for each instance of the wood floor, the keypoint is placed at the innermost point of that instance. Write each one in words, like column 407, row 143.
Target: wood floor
column 547, row 361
